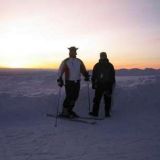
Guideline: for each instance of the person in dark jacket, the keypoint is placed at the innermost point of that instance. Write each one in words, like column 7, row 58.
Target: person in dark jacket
column 103, row 80
column 72, row 67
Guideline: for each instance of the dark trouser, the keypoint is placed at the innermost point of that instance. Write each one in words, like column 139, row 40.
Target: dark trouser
column 72, row 92
column 102, row 91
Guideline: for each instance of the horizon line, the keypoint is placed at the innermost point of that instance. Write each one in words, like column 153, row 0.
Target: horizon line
column 28, row 68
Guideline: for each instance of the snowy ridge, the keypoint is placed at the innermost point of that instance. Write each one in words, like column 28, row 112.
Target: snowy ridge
column 133, row 131
column 30, row 83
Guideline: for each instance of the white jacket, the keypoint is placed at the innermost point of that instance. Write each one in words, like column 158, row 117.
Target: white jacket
column 72, row 68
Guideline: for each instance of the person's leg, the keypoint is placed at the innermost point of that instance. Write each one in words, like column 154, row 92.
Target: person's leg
column 108, row 100
column 68, row 99
column 96, row 101
column 74, row 97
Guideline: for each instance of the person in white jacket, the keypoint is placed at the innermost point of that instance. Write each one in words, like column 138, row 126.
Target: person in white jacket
column 72, row 68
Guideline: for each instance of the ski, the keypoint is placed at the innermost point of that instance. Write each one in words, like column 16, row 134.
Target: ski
column 79, row 119
column 93, row 118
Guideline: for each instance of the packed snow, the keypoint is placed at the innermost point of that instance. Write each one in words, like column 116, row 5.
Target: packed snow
column 132, row 133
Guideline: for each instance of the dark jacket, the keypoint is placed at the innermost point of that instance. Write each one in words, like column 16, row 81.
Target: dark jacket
column 103, row 72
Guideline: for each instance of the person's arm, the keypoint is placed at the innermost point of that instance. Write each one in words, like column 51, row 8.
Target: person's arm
column 61, row 69
column 113, row 74
column 94, row 77
column 60, row 74
column 84, row 71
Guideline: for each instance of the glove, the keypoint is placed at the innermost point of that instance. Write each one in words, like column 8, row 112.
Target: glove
column 94, row 86
column 87, row 77
column 60, row 82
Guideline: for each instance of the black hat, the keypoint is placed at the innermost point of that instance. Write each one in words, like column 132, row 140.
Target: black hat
column 103, row 55
column 72, row 48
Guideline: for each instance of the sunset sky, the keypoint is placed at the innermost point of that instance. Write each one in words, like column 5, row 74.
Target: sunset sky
column 37, row 33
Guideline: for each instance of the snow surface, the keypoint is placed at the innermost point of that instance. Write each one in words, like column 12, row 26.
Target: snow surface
column 132, row 133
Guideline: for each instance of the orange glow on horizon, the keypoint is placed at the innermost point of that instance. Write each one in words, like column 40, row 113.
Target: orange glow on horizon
column 89, row 66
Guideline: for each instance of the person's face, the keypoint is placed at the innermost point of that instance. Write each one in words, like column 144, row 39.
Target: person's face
column 73, row 53
column 103, row 57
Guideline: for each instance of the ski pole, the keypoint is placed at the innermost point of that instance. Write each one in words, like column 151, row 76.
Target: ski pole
column 57, row 109
column 89, row 104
